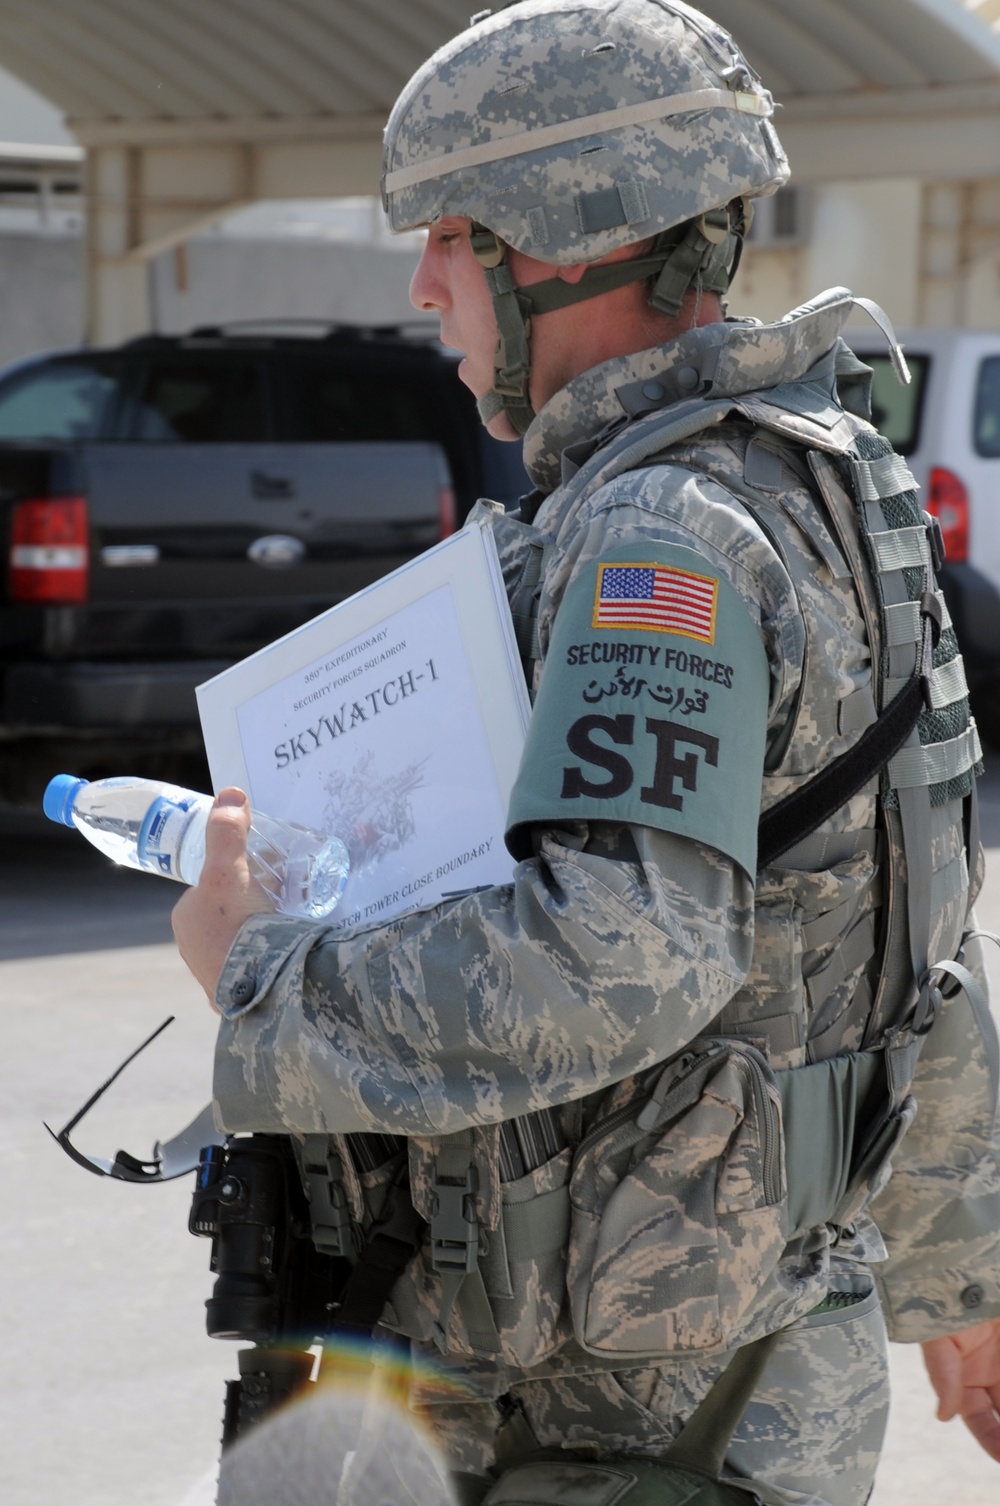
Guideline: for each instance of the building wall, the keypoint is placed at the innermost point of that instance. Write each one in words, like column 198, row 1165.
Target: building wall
column 959, row 267
column 211, row 280
column 862, row 236
column 929, row 253
column 41, row 294
column 215, row 280
column 770, row 282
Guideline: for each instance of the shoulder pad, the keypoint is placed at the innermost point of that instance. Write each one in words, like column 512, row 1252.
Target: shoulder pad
column 652, row 706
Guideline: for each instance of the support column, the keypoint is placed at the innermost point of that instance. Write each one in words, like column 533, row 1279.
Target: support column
column 116, row 287
column 142, row 200
column 150, row 185
column 959, row 254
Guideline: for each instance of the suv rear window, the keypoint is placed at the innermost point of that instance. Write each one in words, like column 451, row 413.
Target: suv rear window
column 986, row 433
column 397, row 395
column 330, row 404
column 61, row 400
column 404, row 399
column 200, row 400
column 897, row 410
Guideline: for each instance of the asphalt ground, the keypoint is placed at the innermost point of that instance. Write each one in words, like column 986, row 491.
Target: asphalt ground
column 112, row 1393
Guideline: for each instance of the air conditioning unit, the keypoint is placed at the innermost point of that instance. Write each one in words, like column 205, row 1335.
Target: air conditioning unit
column 781, row 220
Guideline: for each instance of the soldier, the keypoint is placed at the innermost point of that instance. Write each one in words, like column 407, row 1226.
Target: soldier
column 726, row 578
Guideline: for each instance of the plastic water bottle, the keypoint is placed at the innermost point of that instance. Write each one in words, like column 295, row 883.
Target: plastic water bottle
column 160, row 828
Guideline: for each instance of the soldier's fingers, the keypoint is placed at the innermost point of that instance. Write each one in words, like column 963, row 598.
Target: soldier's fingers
column 980, row 1417
column 944, row 1367
column 226, row 831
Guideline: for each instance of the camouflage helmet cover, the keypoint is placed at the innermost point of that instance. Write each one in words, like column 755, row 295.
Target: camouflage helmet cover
column 573, row 127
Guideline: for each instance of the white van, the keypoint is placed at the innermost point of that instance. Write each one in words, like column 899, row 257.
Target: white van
column 947, row 424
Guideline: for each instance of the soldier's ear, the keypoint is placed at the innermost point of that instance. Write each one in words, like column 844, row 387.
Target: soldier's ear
column 573, row 273
column 575, row 270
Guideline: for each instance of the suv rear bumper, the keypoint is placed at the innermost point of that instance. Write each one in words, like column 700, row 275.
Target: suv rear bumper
column 41, row 699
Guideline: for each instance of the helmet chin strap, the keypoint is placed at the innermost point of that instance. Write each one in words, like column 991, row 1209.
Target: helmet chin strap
column 512, row 309
column 709, row 246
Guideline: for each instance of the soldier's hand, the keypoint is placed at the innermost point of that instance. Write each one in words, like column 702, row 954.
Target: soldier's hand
column 965, row 1372
column 208, row 917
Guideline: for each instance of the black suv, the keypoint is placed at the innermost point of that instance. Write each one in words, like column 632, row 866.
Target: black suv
column 289, row 382
column 176, row 503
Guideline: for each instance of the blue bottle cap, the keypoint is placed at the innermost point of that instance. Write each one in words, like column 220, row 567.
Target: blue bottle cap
column 60, row 793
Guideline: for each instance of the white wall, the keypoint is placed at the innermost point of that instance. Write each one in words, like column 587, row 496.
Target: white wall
column 41, row 294
column 217, row 279
column 771, row 282
column 866, row 236
column 28, row 117
column 212, row 280
column 982, row 292
column 863, row 236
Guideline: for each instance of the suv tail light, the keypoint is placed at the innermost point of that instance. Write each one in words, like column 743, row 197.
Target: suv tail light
column 49, row 550
column 446, row 511
column 949, row 503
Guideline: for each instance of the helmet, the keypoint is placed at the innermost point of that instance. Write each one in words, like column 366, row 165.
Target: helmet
column 570, row 128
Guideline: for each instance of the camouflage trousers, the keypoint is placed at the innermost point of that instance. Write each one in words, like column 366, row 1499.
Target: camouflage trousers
column 813, row 1430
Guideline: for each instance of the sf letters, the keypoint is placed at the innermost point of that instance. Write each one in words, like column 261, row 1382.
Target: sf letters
column 670, row 768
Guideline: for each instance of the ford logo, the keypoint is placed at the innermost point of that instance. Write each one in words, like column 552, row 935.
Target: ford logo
column 276, row 551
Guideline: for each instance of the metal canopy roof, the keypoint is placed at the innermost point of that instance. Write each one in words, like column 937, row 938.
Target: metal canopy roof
column 159, row 67
column 804, row 47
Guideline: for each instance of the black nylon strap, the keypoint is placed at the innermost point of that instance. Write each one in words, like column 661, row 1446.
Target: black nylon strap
column 387, row 1252
column 800, row 813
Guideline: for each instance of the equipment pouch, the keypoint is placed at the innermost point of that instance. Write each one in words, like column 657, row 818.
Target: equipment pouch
column 504, row 1297
column 526, row 1295
column 678, row 1207
column 842, row 1124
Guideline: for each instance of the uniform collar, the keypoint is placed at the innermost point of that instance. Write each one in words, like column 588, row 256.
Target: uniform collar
column 722, row 359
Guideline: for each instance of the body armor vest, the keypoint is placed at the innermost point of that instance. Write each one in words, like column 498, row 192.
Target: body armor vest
column 843, row 992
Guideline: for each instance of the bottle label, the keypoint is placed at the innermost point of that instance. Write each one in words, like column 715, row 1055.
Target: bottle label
column 161, row 833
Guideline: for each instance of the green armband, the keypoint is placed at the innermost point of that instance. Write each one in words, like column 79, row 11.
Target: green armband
column 652, row 707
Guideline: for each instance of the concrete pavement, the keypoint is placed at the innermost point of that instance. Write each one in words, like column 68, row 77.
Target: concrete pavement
column 112, row 1392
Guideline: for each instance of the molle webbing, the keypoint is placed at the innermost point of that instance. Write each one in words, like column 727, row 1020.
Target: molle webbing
column 524, row 606
column 946, row 753
column 937, row 767
column 323, row 1173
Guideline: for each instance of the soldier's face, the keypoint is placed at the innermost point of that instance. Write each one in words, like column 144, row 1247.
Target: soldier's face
column 449, row 282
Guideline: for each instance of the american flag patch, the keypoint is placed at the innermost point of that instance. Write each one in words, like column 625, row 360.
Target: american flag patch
column 657, row 597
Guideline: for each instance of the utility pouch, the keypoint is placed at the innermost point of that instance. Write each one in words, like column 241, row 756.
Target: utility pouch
column 499, row 1291
column 683, row 1201
column 665, row 1228
column 843, row 1119
column 678, row 1207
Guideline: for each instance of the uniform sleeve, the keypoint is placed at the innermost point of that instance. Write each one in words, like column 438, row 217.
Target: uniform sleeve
column 940, row 1212
column 617, row 942
column 584, row 970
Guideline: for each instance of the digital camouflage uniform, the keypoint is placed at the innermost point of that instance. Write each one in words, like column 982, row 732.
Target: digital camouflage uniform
column 638, row 924
column 617, row 946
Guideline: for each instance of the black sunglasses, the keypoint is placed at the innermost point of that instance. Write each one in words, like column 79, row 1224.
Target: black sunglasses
column 174, row 1158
